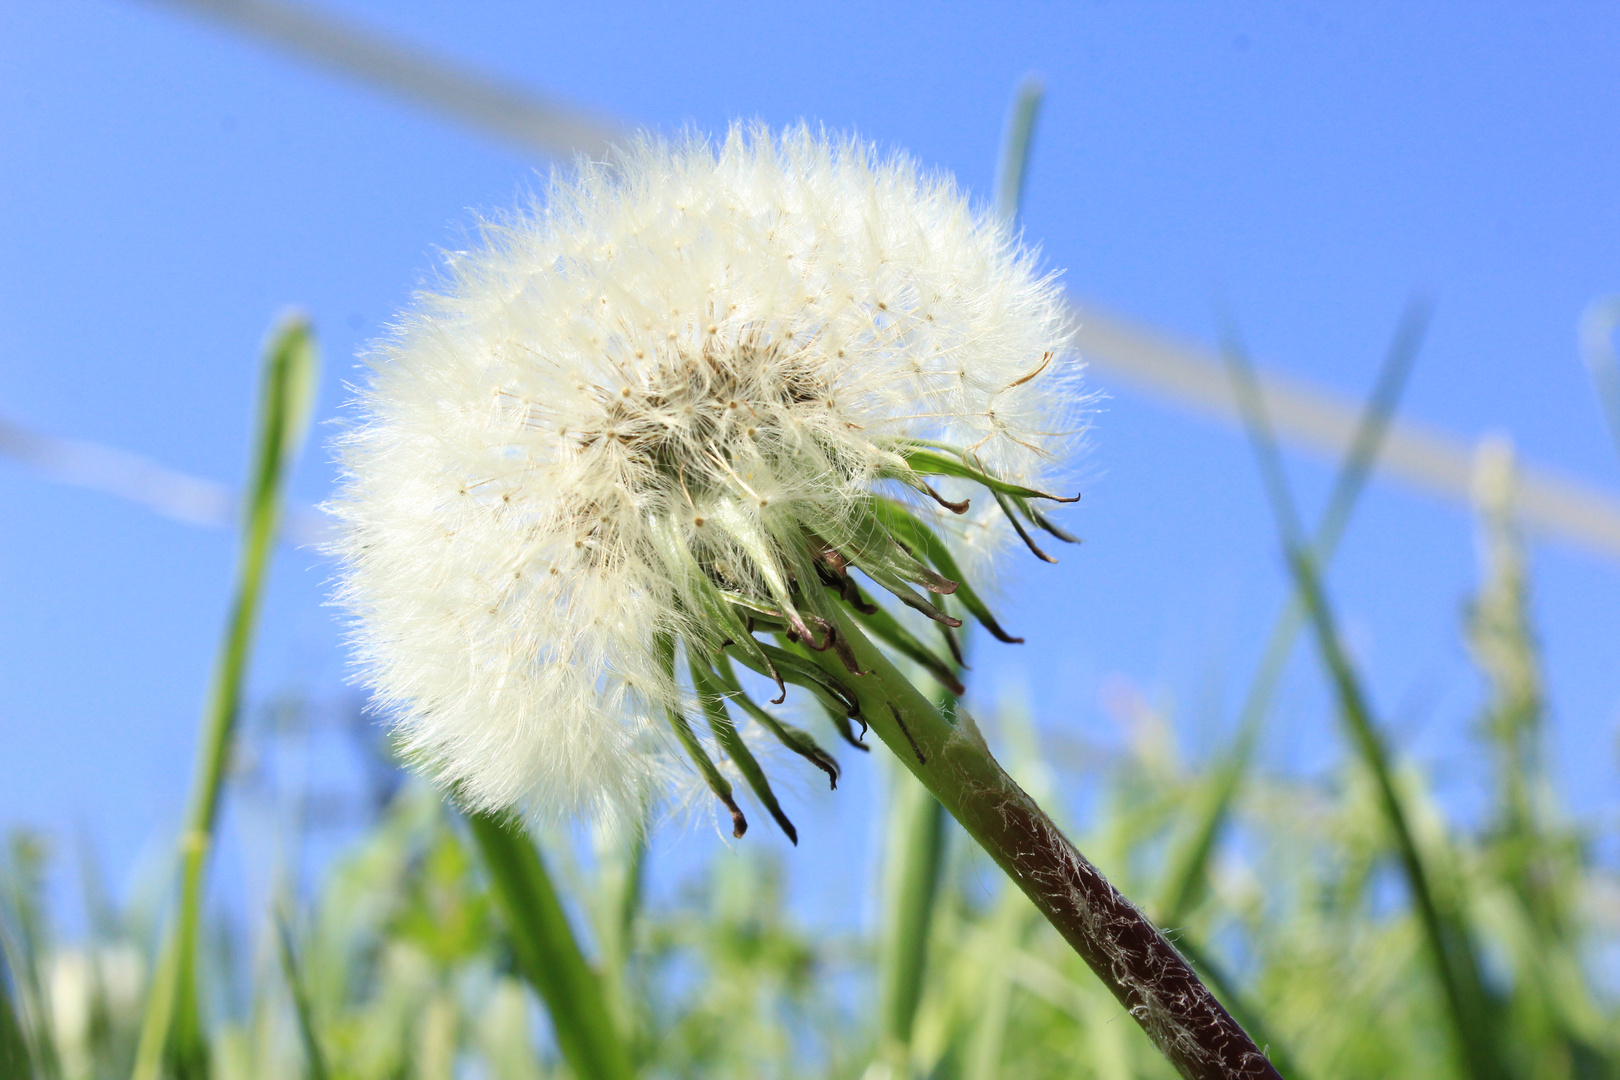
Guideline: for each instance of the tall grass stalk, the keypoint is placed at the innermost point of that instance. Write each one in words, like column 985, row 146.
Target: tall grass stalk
column 14, row 1057
column 22, row 941
column 1016, row 144
column 548, row 953
column 914, row 856
column 1450, row 945
column 1188, row 865
column 173, row 1024
column 315, row 1067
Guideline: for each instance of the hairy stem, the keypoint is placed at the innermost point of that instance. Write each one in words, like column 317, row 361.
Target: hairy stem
column 1126, row 951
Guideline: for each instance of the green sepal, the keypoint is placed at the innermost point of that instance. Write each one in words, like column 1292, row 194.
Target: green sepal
column 840, row 704
column 1007, row 507
column 712, row 697
column 934, row 459
column 883, row 574
column 800, row 742
column 718, row 607
column 891, row 631
column 802, row 672
column 1042, row 521
column 865, row 543
column 915, row 534
column 694, row 749
column 732, row 519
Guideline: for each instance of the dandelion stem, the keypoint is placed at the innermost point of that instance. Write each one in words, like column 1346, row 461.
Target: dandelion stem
column 1127, row 952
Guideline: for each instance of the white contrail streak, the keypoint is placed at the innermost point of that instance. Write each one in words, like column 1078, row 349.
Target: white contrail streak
column 513, row 113
column 1428, row 459
column 129, row 476
column 1442, row 464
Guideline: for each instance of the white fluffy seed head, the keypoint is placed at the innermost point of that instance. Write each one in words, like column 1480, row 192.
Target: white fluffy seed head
column 680, row 358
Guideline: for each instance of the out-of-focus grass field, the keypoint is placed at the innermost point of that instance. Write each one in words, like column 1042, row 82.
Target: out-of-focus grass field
column 1292, row 897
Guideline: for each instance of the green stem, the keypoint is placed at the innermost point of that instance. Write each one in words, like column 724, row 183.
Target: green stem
column 548, row 954
column 1132, row 958
column 914, row 859
column 173, row 1021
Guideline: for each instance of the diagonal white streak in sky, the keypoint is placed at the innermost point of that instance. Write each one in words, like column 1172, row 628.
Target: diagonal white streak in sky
column 513, row 113
column 1315, row 419
column 1318, row 420
column 172, row 494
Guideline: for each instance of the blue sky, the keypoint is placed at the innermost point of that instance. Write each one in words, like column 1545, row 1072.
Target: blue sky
column 169, row 187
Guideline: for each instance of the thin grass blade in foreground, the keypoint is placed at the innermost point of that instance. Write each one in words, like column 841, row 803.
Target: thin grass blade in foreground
column 547, row 952
column 314, row 1057
column 914, row 856
column 173, row 1023
column 14, row 1059
column 25, row 1028
column 1451, row 949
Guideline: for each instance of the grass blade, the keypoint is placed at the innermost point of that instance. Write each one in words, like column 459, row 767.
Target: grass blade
column 23, row 941
column 1598, row 325
column 1013, row 170
column 1450, row 948
column 173, row 1025
column 1184, row 882
column 548, row 953
column 914, row 860
column 314, row 1058
column 14, row 1058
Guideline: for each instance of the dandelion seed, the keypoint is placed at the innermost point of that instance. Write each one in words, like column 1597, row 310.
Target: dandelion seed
column 615, row 426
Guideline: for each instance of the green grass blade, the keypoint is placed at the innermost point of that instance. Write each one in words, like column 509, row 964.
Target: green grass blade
column 173, row 1024
column 14, row 1057
column 1529, row 847
column 548, row 953
column 314, row 1057
column 1598, row 325
column 1450, row 948
column 1190, row 854
column 619, row 896
column 913, row 862
column 1012, row 172
column 26, row 1047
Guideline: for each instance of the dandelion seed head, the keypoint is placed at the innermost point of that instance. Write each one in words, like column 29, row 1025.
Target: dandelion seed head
column 671, row 364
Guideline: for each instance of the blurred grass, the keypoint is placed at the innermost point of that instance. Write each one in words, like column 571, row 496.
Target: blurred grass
column 1435, row 894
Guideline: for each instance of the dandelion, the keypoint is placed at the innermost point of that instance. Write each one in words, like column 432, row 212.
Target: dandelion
column 670, row 405
column 757, row 405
